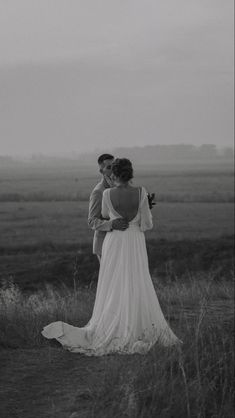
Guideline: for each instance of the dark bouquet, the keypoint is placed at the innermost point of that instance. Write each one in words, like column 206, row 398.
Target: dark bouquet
column 151, row 201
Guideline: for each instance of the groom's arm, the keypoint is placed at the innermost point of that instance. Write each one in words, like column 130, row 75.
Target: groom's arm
column 95, row 220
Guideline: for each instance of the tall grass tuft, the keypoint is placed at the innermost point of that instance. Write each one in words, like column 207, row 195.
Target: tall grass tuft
column 23, row 316
column 195, row 380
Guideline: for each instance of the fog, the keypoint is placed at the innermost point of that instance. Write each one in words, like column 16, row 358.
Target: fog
column 77, row 76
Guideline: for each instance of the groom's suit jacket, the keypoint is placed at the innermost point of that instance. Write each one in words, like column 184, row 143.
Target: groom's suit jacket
column 95, row 221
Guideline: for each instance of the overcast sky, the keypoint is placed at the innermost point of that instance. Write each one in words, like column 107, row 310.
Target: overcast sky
column 78, row 75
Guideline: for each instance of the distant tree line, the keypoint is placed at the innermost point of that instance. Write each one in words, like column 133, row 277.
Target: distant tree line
column 173, row 153
column 150, row 154
column 179, row 153
column 5, row 159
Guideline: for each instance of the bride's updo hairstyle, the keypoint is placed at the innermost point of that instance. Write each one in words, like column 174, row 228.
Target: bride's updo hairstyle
column 122, row 169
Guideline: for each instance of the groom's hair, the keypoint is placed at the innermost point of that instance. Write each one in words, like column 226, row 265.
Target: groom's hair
column 104, row 157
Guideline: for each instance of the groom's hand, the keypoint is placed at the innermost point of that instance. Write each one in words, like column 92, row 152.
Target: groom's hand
column 120, row 224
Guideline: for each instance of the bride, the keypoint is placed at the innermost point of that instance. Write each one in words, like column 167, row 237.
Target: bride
column 127, row 317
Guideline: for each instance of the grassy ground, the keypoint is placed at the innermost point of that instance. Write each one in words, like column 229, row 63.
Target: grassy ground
column 32, row 267
column 41, row 379
column 66, row 222
column 50, row 241
column 185, row 183
column 47, row 273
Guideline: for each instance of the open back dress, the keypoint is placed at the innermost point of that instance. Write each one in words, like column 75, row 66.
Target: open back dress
column 127, row 317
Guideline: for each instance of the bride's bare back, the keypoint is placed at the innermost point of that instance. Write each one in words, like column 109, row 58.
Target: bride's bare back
column 125, row 201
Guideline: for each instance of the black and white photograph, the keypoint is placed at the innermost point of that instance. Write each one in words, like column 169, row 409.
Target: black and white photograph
column 116, row 209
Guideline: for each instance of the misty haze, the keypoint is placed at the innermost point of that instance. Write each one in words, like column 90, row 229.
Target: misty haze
column 89, row 243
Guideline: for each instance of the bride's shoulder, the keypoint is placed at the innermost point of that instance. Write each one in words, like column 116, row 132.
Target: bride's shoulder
column 141, row 189
column 143, row 194
column 136, row 187
column 106, row 192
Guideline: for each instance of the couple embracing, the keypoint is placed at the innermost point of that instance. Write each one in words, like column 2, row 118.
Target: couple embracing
column 127, row 317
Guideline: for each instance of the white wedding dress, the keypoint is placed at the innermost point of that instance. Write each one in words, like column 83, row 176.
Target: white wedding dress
column 127, row 317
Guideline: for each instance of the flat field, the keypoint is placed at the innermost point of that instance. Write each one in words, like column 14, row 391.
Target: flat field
column 32, row 223
column 48, row 273
column 172, row 184
column 50, row 203
column 44, row 234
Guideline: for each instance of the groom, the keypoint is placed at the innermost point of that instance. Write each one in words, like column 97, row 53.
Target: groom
column 95, row 221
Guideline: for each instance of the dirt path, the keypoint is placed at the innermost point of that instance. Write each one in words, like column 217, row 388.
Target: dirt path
column 47, row 382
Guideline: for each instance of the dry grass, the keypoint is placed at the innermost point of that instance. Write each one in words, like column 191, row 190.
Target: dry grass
column 196, row 381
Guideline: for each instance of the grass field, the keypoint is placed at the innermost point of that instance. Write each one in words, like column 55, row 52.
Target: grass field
column 184, row 184
column 49, row 240
column 40, row 379
column 30, row 223
column 48, row 273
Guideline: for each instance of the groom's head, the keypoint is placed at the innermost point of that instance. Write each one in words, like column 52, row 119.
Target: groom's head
column 105, row 164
